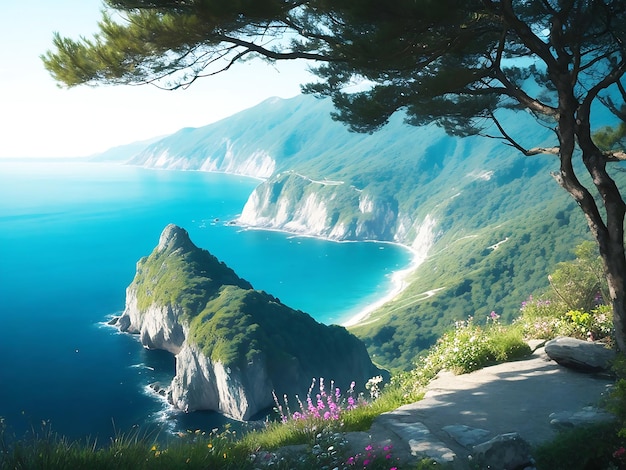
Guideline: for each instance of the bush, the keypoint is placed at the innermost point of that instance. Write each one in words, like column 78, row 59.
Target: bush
column 581, row 448
column 466, row 348
column 547, row 319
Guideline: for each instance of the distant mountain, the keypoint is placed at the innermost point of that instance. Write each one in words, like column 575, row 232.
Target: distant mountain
column 123, row 153
column 488, row 223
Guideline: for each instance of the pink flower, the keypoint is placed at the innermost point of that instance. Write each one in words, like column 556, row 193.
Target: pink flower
column 369, row 447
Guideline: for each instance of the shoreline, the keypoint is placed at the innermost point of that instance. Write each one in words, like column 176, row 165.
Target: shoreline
column 398, row 285
column 398, row 278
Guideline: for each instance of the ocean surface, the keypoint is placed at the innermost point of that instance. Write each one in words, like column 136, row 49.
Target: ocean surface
column 70, row 236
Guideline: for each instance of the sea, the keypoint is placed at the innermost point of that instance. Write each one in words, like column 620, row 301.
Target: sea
column 71, row 233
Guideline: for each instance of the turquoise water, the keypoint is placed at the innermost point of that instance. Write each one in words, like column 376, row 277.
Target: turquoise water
column 70, row 235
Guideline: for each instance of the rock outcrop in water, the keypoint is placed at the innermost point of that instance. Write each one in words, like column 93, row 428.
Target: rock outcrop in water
column 234, row 345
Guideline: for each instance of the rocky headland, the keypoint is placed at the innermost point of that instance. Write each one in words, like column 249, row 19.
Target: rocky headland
column 234, row 345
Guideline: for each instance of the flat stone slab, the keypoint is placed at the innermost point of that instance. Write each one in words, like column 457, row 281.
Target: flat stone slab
column 588, row 415
column 466, row 436
column 422, row 442
column 511, row 397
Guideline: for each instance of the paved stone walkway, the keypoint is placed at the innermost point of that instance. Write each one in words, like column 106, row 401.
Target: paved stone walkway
column 532, row 397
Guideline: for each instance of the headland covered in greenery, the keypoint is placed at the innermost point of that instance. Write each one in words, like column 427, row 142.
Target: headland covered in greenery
column 234, row 346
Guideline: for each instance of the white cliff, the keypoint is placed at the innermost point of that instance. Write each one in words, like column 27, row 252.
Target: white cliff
column 158, row 326
column 226, row 158
column 202, row 384
column 296, row 204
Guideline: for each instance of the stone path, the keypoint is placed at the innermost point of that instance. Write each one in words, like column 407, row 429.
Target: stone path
column 531, row 397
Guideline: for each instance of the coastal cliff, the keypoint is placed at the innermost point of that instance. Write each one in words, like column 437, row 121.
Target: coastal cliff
column 328, row 208
column 233, row 345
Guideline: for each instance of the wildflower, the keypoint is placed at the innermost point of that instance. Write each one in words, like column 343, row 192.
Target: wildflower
column 209, row 445
column 154, row 448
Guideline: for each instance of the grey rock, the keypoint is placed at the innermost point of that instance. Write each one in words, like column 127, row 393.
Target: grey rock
column 422, row 442
column 123, row 323
column 505, row 452
column 466, row 435
column 586, row 356
column 588, row 415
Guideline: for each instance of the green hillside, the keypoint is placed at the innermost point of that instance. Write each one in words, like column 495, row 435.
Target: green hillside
column 477, row 191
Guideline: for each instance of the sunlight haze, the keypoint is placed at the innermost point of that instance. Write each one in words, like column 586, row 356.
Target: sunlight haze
column 42, row 120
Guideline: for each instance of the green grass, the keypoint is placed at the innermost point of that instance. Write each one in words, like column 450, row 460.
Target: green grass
column 588, row 447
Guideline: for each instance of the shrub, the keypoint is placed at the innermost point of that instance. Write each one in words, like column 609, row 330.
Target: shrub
column 546, row 319
column 466, row 348
column 323, row 406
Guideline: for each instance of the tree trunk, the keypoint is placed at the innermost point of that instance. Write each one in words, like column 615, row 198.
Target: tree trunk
column 574, row 128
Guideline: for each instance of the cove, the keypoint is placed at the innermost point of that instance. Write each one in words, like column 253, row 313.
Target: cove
column 70, row 236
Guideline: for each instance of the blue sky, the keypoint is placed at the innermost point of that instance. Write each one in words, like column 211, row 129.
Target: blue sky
column 41, row 120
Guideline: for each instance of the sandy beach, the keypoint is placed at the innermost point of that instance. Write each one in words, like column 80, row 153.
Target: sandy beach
column 398, row 278
column 399, row 283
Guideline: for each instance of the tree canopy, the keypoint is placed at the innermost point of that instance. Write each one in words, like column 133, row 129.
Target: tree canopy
column 452, row 62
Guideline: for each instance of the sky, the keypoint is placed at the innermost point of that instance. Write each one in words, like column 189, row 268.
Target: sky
column 39, row 119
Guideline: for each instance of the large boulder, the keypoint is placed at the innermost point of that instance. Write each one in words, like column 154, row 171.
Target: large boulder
column 505, row 452
column 586, row 356
column 234, row 345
